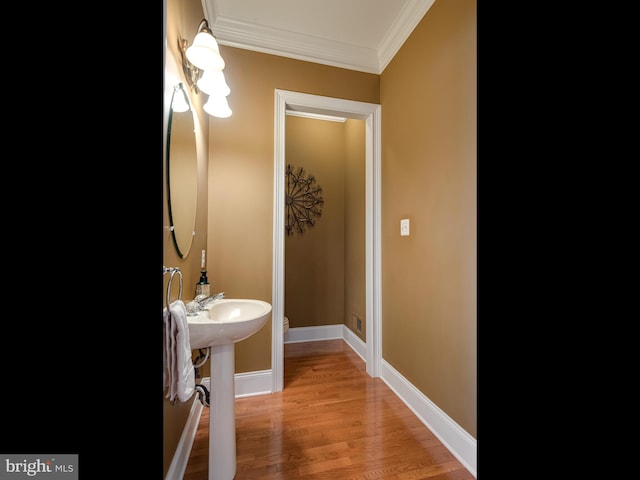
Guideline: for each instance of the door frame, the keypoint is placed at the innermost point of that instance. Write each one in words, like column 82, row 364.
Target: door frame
column 371, row 113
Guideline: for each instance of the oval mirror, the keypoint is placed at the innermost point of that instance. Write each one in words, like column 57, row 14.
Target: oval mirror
column 182, row 171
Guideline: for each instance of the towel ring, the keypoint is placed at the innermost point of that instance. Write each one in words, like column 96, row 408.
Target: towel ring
column 173, row 272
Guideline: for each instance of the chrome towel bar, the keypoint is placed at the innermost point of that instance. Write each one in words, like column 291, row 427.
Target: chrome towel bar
column 172, row 271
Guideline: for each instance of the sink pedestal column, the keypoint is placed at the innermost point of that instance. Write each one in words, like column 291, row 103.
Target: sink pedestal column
column 222, row 415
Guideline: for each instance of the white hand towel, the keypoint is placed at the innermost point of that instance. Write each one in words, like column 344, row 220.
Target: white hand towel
column 166, row 352
column 168, row 358
column 179, row 374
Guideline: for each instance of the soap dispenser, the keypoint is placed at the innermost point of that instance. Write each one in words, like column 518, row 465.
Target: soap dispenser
column 203, row 287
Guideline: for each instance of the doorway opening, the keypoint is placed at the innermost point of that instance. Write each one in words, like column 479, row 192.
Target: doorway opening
column 370, row 113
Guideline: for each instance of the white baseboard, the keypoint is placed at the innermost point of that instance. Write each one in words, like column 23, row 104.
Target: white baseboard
column 354, row 342
column 462, row 445
column 312, row 334
column 181, row 456
column 252, row 383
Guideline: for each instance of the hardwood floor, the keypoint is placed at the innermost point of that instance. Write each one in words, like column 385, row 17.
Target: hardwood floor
column 331, row 421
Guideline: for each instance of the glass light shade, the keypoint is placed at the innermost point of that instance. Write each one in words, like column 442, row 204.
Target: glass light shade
column 217, row 106
column 213, row 83
column 179, row 103
column 204, row 53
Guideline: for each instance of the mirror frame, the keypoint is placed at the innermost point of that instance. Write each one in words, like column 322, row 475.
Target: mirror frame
column 184, row 251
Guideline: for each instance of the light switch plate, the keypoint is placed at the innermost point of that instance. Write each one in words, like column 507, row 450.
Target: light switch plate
column 404, row 227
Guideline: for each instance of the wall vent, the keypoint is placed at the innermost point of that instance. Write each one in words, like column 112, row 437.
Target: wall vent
column 357, row 322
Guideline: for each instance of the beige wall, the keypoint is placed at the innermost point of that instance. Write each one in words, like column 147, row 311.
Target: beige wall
column 314, row 260
column 241, row 159
column 428, row 96
column 325, row 266
column 183, row 17
column 354, row 228
column 235, row 190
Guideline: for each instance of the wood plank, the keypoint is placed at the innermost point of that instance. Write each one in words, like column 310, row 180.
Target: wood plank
column 331, row 421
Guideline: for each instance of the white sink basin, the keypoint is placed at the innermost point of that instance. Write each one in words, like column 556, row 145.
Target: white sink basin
column 227, row 320
column 223, row 323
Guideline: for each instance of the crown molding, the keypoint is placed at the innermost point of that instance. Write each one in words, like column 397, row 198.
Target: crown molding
column 274, row 41
column 259, row 38
column 409, row 17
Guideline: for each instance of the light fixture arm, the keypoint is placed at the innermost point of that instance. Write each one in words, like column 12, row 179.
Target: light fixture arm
column 204, row 27
column 191, row 72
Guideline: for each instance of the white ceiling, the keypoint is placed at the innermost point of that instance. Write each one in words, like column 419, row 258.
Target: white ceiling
column 361, row 35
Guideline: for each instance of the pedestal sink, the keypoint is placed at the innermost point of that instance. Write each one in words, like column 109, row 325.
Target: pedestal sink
column 223, row 323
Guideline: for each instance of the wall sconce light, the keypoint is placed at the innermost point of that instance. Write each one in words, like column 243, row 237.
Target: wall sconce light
column 179, row 102
column 205, row 53
column 212, row 82
column 202, row 65
column 217, row 106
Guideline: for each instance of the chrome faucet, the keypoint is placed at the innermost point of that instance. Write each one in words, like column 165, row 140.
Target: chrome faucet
column 204, row 300
column 201, row 302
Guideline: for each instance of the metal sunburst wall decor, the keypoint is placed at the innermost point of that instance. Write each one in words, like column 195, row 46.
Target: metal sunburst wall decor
column 303, row 200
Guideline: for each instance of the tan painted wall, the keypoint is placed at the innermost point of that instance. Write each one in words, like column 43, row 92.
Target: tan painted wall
column 354, row 229
column 429, row 148
column 241, row 158
column 183, row 17
column 325, row 266
column 428, row 97
column 235, row 189
column 314, row 260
